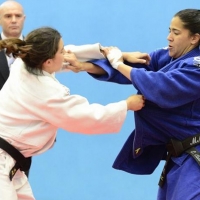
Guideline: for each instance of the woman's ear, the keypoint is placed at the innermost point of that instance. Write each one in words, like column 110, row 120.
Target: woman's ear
column 47, row 62
column 46, row 65
column 195, row 38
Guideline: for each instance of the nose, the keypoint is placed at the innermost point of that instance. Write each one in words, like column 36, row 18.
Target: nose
column 169, row 37
column 13, row 19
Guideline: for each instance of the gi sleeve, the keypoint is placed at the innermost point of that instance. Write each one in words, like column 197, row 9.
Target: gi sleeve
column 159, row 59
column 74, row 113
column 86, row 52
column 112, row 75
column 175, row 87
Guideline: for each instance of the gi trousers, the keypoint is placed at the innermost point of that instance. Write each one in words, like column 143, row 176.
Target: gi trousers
column 182, row 181
column 17, row 189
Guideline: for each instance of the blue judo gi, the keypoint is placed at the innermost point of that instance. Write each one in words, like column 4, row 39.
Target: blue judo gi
column 171, row 88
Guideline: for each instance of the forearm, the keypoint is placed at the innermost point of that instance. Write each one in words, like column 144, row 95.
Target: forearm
column 125, row 55
column 92, row 68
column 125, row 70
column 77, row 66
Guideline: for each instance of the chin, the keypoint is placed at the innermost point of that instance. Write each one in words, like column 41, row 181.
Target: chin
column 15, row 34
column 171, row 54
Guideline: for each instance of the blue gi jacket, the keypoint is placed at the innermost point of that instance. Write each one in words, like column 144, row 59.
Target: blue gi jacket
column 172, row 108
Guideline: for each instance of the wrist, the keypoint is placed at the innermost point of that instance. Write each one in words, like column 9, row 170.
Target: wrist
column 117, row 64
column 125, row 55
column 127, row 104
column 84, row 66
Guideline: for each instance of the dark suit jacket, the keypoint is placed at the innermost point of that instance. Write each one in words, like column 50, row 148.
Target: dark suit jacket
column 4, row 69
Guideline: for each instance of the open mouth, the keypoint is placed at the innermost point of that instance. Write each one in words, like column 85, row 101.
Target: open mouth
column 169, row 47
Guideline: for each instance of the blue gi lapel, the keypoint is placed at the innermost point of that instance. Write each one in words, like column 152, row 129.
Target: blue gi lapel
column 193, row 53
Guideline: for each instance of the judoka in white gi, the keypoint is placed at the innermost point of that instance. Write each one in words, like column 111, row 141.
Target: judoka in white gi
column 33, row 105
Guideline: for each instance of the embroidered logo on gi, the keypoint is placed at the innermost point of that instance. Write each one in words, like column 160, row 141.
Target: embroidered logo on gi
column 137, row 150
column 196, row 61
column 161, row 178
column 13, row 172
column 197, row 156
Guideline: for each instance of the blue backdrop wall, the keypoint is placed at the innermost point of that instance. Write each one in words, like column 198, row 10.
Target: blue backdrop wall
column 80, row 166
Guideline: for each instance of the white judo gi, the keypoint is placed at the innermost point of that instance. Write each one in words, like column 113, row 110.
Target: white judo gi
column 32, row 108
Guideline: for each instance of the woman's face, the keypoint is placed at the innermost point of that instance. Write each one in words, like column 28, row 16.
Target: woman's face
column 56, row 63
column 180, row 39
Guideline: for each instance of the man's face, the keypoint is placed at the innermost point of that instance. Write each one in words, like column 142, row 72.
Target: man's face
column 12, row 19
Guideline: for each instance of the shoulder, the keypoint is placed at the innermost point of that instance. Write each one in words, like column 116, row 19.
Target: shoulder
column 160, row 51
column 160, row 57
column 40, row 86
column 196, row 61
column 193, row 62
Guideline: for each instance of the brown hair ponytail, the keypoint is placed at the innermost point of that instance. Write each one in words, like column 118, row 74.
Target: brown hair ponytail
column 14, row 46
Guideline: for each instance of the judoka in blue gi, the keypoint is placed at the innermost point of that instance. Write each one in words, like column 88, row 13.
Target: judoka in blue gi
column 170, row 83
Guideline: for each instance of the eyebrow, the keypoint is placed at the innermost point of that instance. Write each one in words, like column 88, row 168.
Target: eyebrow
column 18, row 14
column 174, row 29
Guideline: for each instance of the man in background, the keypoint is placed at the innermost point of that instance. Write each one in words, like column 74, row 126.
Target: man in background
column 12, row 19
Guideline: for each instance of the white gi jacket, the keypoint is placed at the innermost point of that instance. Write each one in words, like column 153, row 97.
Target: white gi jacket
column 32, row 108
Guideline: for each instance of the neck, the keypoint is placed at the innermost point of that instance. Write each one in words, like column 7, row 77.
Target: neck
column 4, row 36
